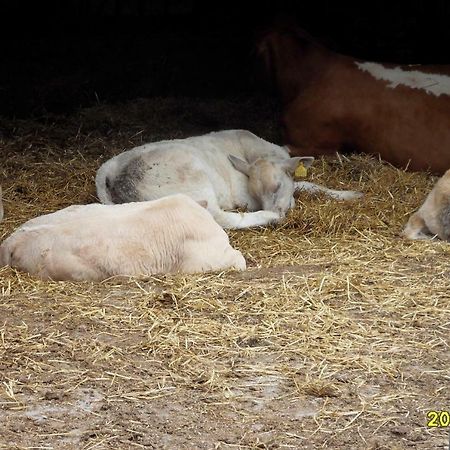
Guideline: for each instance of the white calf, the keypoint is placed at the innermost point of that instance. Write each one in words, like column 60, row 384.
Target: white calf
column 227, row 169
column 94, row 242
column 433, row 217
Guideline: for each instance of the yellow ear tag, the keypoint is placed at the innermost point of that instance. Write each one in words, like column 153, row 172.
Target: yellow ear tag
column 300, row 171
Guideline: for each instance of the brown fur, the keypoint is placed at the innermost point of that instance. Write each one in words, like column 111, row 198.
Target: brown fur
column 330, row 105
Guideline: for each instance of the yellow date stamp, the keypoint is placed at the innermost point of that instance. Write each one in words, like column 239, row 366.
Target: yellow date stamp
column 438, row 419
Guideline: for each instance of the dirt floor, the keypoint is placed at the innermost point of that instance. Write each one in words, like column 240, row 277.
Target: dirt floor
column 336, row 337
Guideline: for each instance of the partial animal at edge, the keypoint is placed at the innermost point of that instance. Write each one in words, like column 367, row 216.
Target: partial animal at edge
column 332, row 102
column 1, row 204
column 432, row 219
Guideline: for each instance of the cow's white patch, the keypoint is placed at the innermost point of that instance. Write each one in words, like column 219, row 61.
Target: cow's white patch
column 432, row 83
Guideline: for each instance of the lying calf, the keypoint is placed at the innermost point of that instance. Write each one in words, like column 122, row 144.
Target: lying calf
column 94, row 242
column 229, row 169
column 433, row 217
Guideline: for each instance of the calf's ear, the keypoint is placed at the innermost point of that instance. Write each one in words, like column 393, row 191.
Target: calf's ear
column 239, row 164
column 292, row 163
column 203, row 203
column 307, row 160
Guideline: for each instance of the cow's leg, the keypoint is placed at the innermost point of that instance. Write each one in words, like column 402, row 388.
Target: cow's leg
column 416, row 228
column 209, row 255
column 65, row 265
column 337, row 194
column 444, row 229
column 228, row 219
column 237, row 220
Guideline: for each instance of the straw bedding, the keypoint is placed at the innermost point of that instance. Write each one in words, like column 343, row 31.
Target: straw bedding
column 337, row 336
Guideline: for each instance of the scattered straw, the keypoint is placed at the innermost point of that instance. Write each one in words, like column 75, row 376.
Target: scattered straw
column 336, row 336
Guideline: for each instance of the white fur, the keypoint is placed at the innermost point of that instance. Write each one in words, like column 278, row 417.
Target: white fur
column 432, row 219
column 1, row 204
column 338, row 195
column 435, row 84
column 94, row 242
column 226, row 169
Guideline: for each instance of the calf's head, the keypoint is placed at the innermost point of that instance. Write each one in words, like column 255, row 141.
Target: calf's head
column 271, row 182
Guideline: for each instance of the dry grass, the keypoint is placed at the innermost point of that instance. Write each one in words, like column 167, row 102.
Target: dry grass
column 336, row 337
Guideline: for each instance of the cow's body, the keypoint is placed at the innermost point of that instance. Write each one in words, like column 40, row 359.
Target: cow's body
column 228, row 169
column 333, row 102
column 94, row 242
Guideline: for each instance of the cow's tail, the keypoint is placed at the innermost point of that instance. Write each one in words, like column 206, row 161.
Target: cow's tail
column 103, row 181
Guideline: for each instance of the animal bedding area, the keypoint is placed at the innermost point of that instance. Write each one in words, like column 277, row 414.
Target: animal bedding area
column 337, row 335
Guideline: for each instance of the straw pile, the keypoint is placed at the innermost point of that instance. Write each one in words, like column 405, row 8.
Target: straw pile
column 337, row 336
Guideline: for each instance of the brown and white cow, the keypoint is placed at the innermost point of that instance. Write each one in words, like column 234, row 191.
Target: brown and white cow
column 334, row 102
column 95, row 242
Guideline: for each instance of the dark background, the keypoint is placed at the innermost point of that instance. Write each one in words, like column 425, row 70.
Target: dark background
column 61, row 55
